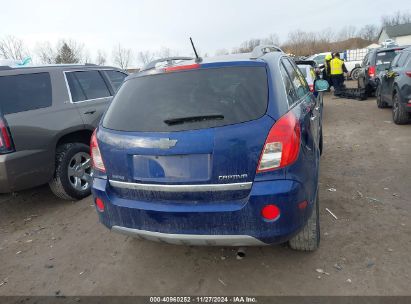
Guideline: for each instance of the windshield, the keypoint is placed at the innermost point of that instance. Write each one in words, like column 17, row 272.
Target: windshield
column 196, row 99
column 319, row 59
column 384, row 59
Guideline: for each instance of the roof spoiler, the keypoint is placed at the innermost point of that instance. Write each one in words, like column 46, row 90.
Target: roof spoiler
column 261, row 50
column 168, row 60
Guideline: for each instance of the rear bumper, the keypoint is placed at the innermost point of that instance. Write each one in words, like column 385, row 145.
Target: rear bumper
column 225, row 223
column 190, row 239
column 24, row 169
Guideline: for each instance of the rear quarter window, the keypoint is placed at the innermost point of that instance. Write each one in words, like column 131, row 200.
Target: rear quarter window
column 25, row 92
column 403, row 60
column 147, row 103
column 86, row 85
column 297, row 78
column 116, row 78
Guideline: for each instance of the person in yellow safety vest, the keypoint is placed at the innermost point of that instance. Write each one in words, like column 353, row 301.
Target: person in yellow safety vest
column 337, row 70
column 326, row 71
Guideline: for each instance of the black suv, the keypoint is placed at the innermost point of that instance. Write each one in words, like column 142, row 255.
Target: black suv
column 375, row 62
column 47, row 116
column 395, row 87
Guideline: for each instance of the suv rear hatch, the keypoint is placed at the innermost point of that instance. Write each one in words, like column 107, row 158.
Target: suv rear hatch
column 190, row 135
column 384, row 58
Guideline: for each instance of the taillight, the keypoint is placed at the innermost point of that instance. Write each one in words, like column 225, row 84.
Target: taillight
column 371, row 71
column 99, row 204
column 408, row 74
column 282, row 145
column 96, row 159
column 182, row 67
column 6, row 144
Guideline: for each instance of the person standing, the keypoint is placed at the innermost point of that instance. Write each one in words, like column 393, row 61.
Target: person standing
column 326, row 69
column 337, row 70
column 326, row 72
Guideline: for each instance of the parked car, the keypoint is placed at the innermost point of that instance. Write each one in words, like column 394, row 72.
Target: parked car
column 47, row 116
column 215, row 152
column 375, row 62
column 395, row 87
column 318, row 58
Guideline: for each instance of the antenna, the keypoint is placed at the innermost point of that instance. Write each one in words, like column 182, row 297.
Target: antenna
column 198, row 58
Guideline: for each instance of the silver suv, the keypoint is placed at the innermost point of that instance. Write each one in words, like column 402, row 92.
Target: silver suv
column 47, row 116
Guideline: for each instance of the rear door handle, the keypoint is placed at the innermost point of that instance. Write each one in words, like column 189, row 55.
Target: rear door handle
column 313, row 117
column 90, row 112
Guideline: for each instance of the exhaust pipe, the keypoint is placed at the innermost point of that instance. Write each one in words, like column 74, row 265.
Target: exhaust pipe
column 240, row 253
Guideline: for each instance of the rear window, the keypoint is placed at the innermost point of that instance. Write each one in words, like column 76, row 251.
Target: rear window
column 210, row 97
column 384, row 59
column 25, row 92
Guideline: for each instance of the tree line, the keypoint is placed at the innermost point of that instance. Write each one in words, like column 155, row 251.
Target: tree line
column 298, row 42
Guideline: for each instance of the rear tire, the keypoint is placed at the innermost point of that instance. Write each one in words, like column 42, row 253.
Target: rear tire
column 308, row 239
column 380, row 103
column 72, row 179
column 399, row 115
column 355, row 74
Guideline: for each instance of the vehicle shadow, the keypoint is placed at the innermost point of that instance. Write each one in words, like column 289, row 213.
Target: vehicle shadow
column 201, row 269
column 36, row 201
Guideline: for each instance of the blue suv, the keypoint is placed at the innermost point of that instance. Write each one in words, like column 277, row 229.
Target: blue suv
column 222, row 151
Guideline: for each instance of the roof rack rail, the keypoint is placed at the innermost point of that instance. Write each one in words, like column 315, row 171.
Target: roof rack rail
column 90, row 64
column 261, row 50
column 5, row 67
column 168, row 60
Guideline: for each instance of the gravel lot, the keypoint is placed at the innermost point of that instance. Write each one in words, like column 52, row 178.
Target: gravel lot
column 49, row 246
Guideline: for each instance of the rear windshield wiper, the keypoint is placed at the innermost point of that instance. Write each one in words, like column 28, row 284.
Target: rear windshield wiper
column 181, row 120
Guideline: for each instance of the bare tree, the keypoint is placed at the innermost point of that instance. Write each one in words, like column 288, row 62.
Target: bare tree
column 396, row 18
column 272, row 39
column 165, row 52
column 145, row 57
column 122, row 57
column 347, row 32
column 247, row 46
column 13, row 48
column 301, row 43
column 369, row 32
column 326, row 36
column 45, row 53
column 101, row 57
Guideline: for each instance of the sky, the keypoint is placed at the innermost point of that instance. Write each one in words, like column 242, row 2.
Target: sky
column 150, row 25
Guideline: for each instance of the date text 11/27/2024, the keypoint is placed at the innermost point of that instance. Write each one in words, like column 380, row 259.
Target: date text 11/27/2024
column 239, row 299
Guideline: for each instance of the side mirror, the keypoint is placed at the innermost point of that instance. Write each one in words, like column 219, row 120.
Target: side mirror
column 321, row 85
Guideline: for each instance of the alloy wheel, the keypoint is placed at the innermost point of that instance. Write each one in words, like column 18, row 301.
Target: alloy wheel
column 79, row 171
